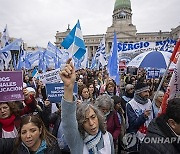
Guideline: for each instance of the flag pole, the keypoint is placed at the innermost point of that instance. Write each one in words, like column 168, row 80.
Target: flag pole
column 162, row 80
column 173, row 56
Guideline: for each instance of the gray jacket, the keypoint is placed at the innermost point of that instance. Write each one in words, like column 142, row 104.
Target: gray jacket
column 70, row 127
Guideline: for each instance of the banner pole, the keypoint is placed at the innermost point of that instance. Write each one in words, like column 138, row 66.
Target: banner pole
column 164, row 75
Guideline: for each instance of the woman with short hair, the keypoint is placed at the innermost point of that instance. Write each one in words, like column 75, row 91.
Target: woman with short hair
column 106, row 104
column 84, row 133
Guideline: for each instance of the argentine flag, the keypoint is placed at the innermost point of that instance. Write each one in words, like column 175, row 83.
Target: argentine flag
column 74, row 42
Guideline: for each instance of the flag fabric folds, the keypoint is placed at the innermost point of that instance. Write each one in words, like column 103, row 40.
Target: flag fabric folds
column 5, row 52
column 14, row 62
column 93, row 63
column 176, row 52
column 173, row 89
column 74, row 42
column 10, row 46
column 113, row 65
column 100, row 56
column 101, row 53
column 21, row 60
column 5, row 37
column 1, row 64
column 84, row 60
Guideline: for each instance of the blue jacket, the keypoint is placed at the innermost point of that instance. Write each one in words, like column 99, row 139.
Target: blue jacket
column 133, row 120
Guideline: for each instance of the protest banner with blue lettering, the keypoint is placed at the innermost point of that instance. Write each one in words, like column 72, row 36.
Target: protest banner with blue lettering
column 127, row 51
column 50, row 76
column 151, row 73
column 165, row 45
column 11, row 86
column 55, row 91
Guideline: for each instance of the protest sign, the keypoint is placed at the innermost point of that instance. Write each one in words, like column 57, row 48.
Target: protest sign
column 11, row 86
column 55, row 91
column 153, row 73
column 165, row 45
column 50, row 76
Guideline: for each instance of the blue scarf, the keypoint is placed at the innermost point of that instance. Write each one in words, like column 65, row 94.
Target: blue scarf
column 91, row 142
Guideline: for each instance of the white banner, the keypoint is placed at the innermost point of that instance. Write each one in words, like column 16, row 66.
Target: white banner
column 50, row 77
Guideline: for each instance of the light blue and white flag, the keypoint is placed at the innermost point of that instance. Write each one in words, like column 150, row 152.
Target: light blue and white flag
column 113, row 64
column 34, row 72
column 27, row 64
column 6, row 56
column 74, row 42
column 101, row 53
column 84, row 61
column 93, row 63
column 42, row 62
column 1, row 64
column 14, row 62
column 33, row 56
column 11, row 45
column 5, row 37
column 51, row 50
column 22, row 56
column 5, row 52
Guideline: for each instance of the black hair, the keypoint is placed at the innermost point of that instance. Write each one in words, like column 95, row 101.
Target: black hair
column 173, row 110
column 116, row 99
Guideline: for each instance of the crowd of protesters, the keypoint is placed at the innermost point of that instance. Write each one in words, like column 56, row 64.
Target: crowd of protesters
column 98, row 120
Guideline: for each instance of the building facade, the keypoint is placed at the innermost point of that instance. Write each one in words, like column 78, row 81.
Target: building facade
column 125, row 30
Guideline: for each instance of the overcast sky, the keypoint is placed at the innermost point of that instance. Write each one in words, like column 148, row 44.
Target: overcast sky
column 36, row 21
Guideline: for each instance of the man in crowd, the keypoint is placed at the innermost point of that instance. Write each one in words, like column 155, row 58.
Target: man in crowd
column 139, row 114
column 163, row 134
column 128, row 95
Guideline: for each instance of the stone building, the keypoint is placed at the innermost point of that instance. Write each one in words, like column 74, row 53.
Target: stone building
column 124, row 28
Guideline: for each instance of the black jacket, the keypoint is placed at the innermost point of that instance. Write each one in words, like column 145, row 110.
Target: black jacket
column 160, row 147
column 55, row 118
column 7, row 145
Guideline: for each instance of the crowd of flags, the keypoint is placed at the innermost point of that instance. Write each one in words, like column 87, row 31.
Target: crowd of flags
column 52, row 56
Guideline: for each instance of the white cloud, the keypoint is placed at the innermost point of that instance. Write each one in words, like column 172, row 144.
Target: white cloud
column 37, row 21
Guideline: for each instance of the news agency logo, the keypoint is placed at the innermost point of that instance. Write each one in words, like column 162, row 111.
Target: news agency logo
column 130, row 139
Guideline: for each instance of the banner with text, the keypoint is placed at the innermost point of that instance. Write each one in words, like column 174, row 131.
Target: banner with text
column 50, row 76
column 139, row 47
column 11, row 86
column 55, row 91
column 153, row 74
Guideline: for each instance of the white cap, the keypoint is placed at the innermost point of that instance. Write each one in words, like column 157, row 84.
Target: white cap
column 81, row 76
column 30, row 89
column 24, row 85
